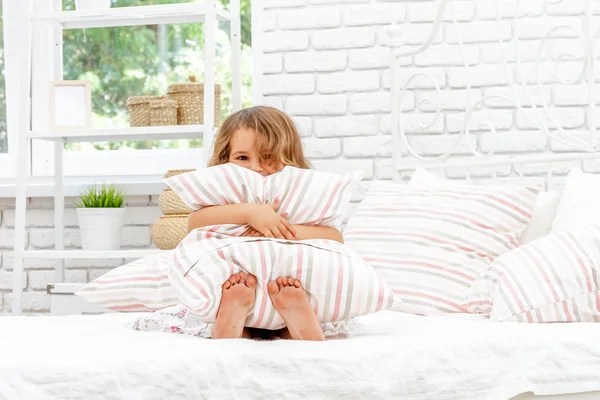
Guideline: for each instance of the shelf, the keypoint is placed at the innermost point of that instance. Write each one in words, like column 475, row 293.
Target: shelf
column 86, row 255
column 113, row 135
column 132, row 16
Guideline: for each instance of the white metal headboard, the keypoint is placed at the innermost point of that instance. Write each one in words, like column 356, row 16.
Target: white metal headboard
column 579, row 59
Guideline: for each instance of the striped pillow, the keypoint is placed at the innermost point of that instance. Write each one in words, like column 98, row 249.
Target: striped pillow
column 553, row 279
column 140, row 286
column 219, row 185
column 232, row 184
column 339, row 284
column 429, row 245
column 541, row 218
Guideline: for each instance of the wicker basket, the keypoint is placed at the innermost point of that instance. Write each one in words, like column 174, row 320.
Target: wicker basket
column 139, row 109
column 190, row 97
column 171, row 204
column 169, row 230
column 163, row 112
column 173, row 172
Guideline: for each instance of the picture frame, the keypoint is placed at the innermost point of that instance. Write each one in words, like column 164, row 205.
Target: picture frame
column 70, row 105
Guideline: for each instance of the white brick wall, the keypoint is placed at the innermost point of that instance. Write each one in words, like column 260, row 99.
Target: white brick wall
column 142, row 211
column 326, row 64
column 345, row 119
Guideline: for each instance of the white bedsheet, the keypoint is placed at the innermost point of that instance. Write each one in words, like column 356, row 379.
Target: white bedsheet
column 393, row 356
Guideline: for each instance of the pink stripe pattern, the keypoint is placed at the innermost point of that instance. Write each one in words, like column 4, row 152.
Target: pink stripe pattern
column 552, row 279
column 430, row 245
column 296, row 189
column 340, row 284
column 329, row 262
column 140, row 286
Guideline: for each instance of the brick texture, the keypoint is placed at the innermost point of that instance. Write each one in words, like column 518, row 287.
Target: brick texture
column 325, row 62
column 140, row 215
column 346, row 121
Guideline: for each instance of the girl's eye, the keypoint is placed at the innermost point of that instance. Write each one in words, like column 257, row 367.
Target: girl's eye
column 243, row 158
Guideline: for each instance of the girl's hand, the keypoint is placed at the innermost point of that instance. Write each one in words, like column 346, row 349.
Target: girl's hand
column 251, row 232
column 265, row 220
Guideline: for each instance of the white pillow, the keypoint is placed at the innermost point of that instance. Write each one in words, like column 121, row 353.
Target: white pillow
column 340, row 285
column 140, row 286
column 580, row 201
column 553, row 279
column 430, row 245
column 543, row 213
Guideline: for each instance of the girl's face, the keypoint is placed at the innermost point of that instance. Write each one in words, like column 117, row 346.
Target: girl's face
column 245, row 154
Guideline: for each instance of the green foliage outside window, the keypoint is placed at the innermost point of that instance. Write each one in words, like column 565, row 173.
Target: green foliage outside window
column 127, row 61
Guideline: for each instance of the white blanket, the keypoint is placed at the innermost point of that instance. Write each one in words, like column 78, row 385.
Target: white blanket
column 392, row 356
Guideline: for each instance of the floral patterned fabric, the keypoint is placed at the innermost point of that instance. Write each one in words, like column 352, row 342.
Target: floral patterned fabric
column 178, row 319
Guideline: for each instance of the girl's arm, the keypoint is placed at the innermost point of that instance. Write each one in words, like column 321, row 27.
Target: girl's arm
column 217, row 215
column 318, row 232
column 261, row 217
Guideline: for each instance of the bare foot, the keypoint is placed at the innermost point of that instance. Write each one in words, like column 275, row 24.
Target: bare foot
column 236, row 300
column 291, row 301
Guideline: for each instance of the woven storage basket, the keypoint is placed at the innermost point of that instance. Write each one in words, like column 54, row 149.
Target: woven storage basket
column 169, row 230
column 190, row 97
column 163, row 112
column 171, row 204
column 139, row 109
column 173, row 172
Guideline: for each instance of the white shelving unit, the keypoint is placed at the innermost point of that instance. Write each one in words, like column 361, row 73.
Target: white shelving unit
column 205, row 12
column 131, row 134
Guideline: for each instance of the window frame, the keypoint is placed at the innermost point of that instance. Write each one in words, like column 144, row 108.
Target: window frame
column 8, row 160
column 46, row 59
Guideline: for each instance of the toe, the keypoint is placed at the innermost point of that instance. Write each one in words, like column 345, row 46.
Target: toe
column 297, row 283
column 272, row 288
column 233, row 279
column 226, row 285
column 280, row 282
column 251, row 281
column 241, row 277
column 291, row 281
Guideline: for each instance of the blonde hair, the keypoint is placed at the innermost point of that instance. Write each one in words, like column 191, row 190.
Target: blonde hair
column 276, row 136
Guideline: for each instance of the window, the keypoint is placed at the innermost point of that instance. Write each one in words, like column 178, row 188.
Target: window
column 129, row 61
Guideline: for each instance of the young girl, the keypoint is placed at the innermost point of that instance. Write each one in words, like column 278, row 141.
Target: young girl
column 264, row 140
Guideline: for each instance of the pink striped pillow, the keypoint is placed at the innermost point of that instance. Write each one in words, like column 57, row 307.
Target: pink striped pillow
column 219, row 185
column 429, row 245
column 553, row 279
column 142, row 285
column 232, row 184
column 340, row 285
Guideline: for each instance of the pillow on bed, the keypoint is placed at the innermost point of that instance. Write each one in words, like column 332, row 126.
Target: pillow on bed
column 231, row 184
column 579, row 201
column 430, row 245
column 142, row 285
column 340, row 285
column 554, row 279
column 542, row 217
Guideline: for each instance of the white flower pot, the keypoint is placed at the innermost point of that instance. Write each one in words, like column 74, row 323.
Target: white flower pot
column 100, row 228
column 84, row 5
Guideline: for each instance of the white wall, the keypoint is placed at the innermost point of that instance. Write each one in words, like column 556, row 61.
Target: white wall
column 325, row 63
column 142, row 211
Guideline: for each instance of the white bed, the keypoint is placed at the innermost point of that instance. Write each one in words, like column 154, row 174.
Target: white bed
column 392, row 355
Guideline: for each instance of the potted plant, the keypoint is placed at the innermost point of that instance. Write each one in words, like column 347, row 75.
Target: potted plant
column 85, row 5
column 100, row 212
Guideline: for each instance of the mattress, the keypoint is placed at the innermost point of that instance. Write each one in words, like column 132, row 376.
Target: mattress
column 388, row 356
